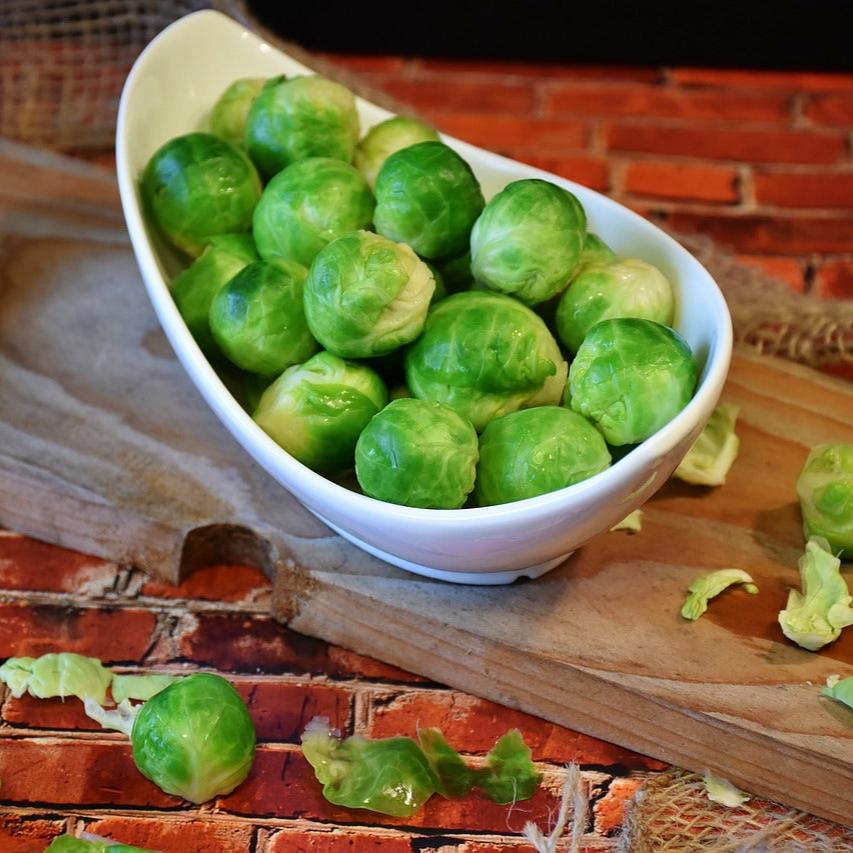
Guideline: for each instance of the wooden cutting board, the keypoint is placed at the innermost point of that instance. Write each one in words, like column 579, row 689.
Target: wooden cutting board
column 106, row 447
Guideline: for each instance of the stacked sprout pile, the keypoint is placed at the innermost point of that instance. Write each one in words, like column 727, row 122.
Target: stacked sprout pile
column 331, row 275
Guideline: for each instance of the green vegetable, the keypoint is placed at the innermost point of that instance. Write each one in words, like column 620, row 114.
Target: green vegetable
column 258, row 319
column 90, row 844
column 307, row 205
column 633, row 522
column 509, row 774
column 840, row 689
column 140, row 687
column 298, row 118
column 317, row 410
column 815, row 616
column 193, row 290
column 708, row 586
column 384, row 139
column 528, row 240
column 630, row 377
column 485, row 355
column 197, row 186
column 712, row 455
column 366, row 296
column 453, row 777
column 63, row 674
column 228, row 119
column 630, row 288
column 535, row 451
column 457, row 273
column 427, row 196
column 595, row 251
column 723, row 792
column 417, row 453
column 825, row 489
column 16, row 673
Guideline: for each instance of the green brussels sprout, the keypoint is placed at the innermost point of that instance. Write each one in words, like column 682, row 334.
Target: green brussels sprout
column 317, row 410
column 528, row 240
column 529, row 453
column 386, row 138
column 825, row 489
column 630, row 288
column 630, row 377
column 298, row 118
column 367, row 296
column 258, row 318
column 417, row 453
column 307, row 205
column 228, row 118
column 485, row 355
column 595, row 251
column 197, row 186
column 427, row 196
column 440, row 288
column 91, row 844
column 193, row 290
column 457, row 273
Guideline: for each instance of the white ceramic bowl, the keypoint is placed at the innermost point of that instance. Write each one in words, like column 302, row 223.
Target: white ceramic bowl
column 170, row 91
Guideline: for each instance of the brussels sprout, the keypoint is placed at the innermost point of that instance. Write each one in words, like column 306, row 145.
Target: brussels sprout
column 197, row 186
column 722, row 791
column 228, row 119
column 630, row 377
column 427, row 196
column 630, row 288
column 193, row 290
column 528, row 240
column 301, row 117
column 711, row 585
column 712, row 455
column 595, row 251
column 309, row 204
column 384, row 139
column 417, row 453
column 457, row 273
column 825, row 489
column 485, row 355
column 90, row 844
column 317, row 410
column 258, row 318
column 440, row 288
column 63, row 674
column 367, row 296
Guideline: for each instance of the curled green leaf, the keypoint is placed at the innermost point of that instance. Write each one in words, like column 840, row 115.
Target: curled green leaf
column 90, row 844
column 708, row 586
column 840, row 689
column 509, row 774
column 63, row 674
column 453, row 776
column 140, row 687
column 723, row 792
column 712, row 455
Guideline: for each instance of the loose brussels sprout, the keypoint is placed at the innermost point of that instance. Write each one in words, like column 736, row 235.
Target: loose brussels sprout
column 384, row 139
column 301, row 117
column 528, row 240
column 711, row 585
column 367, row 296
column 630, row 288
column 485, row 355
column 417, row 453
column 427, row 196
column 539, row 450
column 595, row 251
column 258, row 318
column 309, row 204
column 825, row 489
column 91, row 844
column 197, row 186
column 712, row 454
column 317, row 410
column 228, row 119
column 630, row 377
column 193, row 290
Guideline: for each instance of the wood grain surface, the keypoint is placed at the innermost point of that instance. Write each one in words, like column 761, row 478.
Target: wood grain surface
column 106, row 447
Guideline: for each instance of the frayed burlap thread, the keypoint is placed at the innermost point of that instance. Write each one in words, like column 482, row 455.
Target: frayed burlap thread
column 571, row 817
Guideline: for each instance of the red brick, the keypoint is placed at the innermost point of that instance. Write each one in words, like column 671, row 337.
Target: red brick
column 111, row 635
column 836, row 110
column 834, row 279
column 20, row 834
column 55, row 714
column 458, row 93
column 609, row 811
column 32, row 565
column 347, row 662
column 473, row 725
column 804, row 189
column 498, row 132
column 338, row 840
column 639, row 100
column 791, row 80
column 75, row 772
column 756, row 146
column 214, row 583
column 788, row 270
column 175, row 835
column 593, row 172
column 538, row 70
column 361, row 63
column 682, row 181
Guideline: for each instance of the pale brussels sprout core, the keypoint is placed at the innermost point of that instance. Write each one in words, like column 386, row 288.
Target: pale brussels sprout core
column 485, row 355
column 535, row 451
column 427, row 196
column 712, row 455
column 386, row 138
column 417, row 453
column 317, row 410
column 197, row 186
column 228, row 118
column 825, row 489
column 258, row 319
column 298, row 118
column 629, row 288
column 630, row 377
column 366, row 296
column 528, row 240
column 309, row 204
